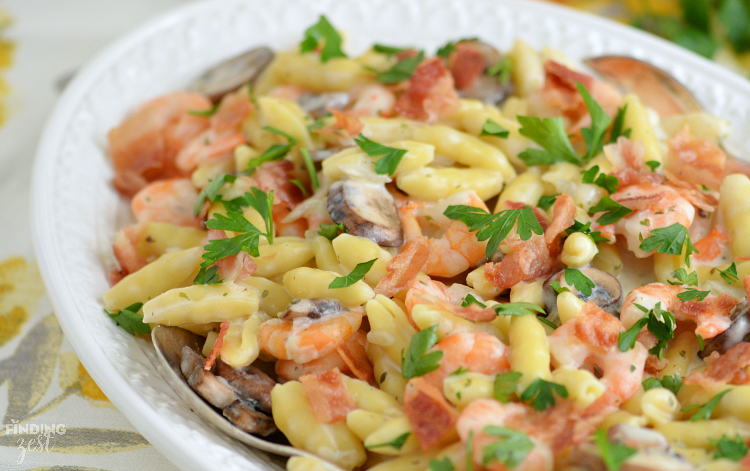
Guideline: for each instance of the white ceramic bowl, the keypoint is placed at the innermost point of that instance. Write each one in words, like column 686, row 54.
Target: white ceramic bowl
column 76, row 212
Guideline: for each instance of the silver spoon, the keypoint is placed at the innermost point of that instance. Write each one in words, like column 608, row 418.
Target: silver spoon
column 168, row 343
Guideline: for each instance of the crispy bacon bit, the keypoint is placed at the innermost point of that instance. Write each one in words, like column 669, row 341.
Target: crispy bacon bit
column 564, row 214
column 466, row 64
column 597, row 328
column 529, row 259
column 430, row 94
column 352, row 352
column 276, row 176
column 404, row 267
column 711, row 246
column 349, row 123
column 712, row 315
column 628, row 177
column 697, row 198
column 126, row 252
column 431, row 416
column 328, row 397
column 695, row 160
column 216, row 347
column 733, row 367
column 637, row 203
column 236, row 267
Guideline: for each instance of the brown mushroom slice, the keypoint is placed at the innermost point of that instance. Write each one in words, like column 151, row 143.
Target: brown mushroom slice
column 366, row 210
column 244, row 415
column 233, row 73
column 313, row 308
column 212, row 388
column 607, row 292
column 249, row 382
column 318, row 104
column 738, row 332
column 488, row 88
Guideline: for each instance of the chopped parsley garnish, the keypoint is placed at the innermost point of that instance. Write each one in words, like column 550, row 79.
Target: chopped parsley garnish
column 701, row 345
column 547, row 322
column 692, row 293
column 505, row 385
column 730, row 274
column 517, row 309
column 669, row 240
column 357, row 274
column 275, row 152
column 730, row 449
column 542, row 393
column 470, row 452
column 331, row 231
column 470, row 299
column 318, row 123
column 496, row 227
column 389, row 50
column 401, row 70
column 673, row 383
column 583, row 284
column 417, row 361
column 705, row 410
column 659, row 322
column 613, row 454
column 446, row 50
column 310, row 168
column 602, row 180
column 556, row 286
column 205, row 113
column 461, row 370
column 298, row 183
column 546, row 201
column 613, row 211
column 129, row 319
column 211, row 191
column 292, row 140
column 550, row 134
column 509, row 450
column 322, row 32
column 491, row 128
column 594, row 135
column 684, row 278
column 596, row 236
column 653, row 165
column 391, row 157
column 441, row 465
column 617, row 125
column 208, row 276
column 396, row 443
column 501, row 70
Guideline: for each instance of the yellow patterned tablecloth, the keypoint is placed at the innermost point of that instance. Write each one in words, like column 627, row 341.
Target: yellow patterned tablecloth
column 43, row 386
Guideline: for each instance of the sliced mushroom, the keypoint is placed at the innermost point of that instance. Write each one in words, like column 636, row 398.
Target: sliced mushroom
column 607, row 292
column 738, row 332
column 250, row 382
column 318, row 104
column 313, row 308
column 244, row 415
column 488, row 88
column 366, row 210
column 233, row 73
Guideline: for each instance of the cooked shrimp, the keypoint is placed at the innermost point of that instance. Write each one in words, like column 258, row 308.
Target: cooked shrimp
column 404, row 267
column 167, row 201
column 475, row 351
column 144, row 146
column 126, row 252
column 456, row 249
column 304, row 339
column 696, row 160
column 711, row 247
column 711, row 316
column 423, row 290
column 480, row 414
column 592, row 340
column 373, row 100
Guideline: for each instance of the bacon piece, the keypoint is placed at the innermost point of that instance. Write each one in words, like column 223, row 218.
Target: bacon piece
column 235, row 267
column 628, row 177
column 216, row 347
column 350, row 124
column 431, row 416
column 328, row 397
column 404, row 267
column 695, row 160
column 688, row 191
column 637, row 203
column 466, row 64
column 352, row 352
column 564, row 214
column 597, row 328
column 126, row 252
column 560, row 91
column 430, row 94
column 712, row 315
column 711, row 246
column 733, row 367
column 529, row 259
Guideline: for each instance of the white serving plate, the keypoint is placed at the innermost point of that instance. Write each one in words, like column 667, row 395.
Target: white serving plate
column 76, row 212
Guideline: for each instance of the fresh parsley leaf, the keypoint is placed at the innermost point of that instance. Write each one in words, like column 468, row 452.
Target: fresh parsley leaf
column 324, row 32
column 129, row 319
column 596, row 236
column 692, row 293
column 470, row 452
column 548, row 322
column 669, row 240
column 650, row 383
column 653, row 165
column 357, row 274
column 491, row 128
column 391, row 157
column 247, row 240
column 683, row 278
column 461, row 370
column 730, row 274
column 542, row 393
column 613, row 211
column 603, row 180
column 310, row 165
column 211, row 191
column 275, row 152
column 441, row 465
column 319, row 123
column 263, row 203
column 701, row 345
column 617, row 125
column 502, row 70
column 205, row 113
column 517, row 309
column 574, row 277
column 661, row 324
column 673, row 383
column 389, row 50
column 417, row 361
column 401, row 70
column 446, row 50
column 292, row 140
column 298, row 183
column 511, row 448
column 550, row 134
column 470, row 299
column 396, row 443
column 613, row 454
column 594, row 135
column 496, row 227
column 331, row 231
column 730, row 449
column 505, row 385
column 207, row 276
column 556, row 286
column 705, row 410
column 627, row 339
column 546, row 202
